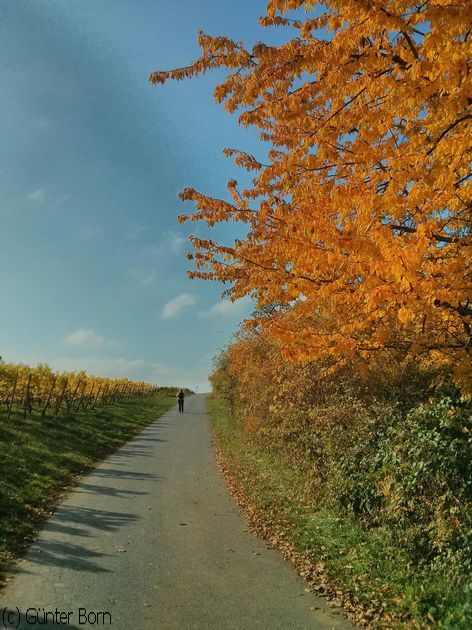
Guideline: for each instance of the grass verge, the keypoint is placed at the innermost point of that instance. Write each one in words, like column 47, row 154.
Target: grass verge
column 42, row 457
column 359, row 569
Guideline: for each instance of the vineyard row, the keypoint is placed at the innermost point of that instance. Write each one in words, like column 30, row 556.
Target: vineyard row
column 48, row 392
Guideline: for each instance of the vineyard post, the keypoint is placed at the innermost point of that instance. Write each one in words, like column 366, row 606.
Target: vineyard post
column 59, row 401
column 27, row 405
column 96, row 398
column 81, row 396
column 88, row 399
column 12, row 397
column 70, row 402
column 48, row 399
column 104, row 395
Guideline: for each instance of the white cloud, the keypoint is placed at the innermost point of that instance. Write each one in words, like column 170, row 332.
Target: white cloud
column 141, row 277
column 175, row 242
column 174, row 306
column 85, row 338
column 172, row 242
column 226, row 308
column 37, row 196
column 136, row 232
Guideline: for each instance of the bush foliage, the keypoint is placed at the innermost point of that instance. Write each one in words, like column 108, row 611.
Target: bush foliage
column 382, row 444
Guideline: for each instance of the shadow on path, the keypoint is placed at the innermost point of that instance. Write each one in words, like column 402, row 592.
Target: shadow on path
column 76, row 522
column 123, row 474
column 90, row 488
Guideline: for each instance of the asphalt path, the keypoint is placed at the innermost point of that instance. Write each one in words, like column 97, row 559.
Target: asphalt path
column 152, row 540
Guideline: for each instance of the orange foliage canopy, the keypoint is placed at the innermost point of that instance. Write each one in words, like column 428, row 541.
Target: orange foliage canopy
column 359, row 224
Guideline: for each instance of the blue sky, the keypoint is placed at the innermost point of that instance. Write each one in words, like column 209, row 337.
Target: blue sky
column 92, row 157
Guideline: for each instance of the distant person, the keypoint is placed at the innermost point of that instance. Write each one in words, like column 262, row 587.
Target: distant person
column 181, row 397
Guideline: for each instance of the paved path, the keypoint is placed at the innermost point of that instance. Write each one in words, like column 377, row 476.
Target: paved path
column 152, row 538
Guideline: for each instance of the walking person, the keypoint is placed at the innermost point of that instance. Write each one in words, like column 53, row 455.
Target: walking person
column 181, row 397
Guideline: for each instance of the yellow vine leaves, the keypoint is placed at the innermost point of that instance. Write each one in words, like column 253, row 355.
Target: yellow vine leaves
column 359, row 219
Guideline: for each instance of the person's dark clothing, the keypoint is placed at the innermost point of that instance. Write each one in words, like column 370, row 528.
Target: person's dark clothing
column 181, row 397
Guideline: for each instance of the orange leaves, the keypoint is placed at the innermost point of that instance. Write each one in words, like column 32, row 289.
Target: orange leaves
column 361, row 217
column 243, row 159
column 404, row 315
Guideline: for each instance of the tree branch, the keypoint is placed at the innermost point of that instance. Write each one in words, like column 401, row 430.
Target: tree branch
column 411, row 230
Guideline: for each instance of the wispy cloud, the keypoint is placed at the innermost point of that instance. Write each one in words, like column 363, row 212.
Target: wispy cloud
column 226, row 308
column 137, row 231
column 174, row 306
column 142, row 277
column 86, row 338
column 175, row 242
column 61, row 200
column 37, row 196
column 172, row 242
column 88, row 232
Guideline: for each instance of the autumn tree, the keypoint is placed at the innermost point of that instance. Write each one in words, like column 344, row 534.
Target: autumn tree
column 359, row 220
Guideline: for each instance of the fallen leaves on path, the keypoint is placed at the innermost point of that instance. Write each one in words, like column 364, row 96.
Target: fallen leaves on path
column 314, row 573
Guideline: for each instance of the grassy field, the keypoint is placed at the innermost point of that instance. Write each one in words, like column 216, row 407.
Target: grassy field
column 42, row 457
column 361, row 568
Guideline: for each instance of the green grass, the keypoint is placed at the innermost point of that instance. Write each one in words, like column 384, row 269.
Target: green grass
column 365, row 564
column 42, row 457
